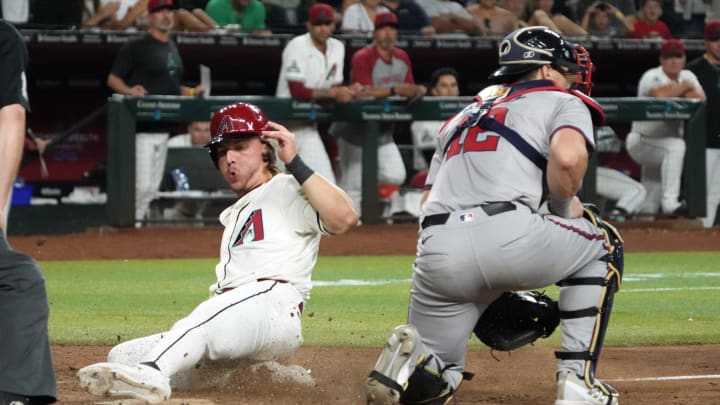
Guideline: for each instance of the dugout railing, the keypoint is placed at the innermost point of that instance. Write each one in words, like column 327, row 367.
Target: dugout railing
column 124, row 112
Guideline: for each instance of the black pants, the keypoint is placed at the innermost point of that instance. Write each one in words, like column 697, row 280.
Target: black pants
column 26, row 363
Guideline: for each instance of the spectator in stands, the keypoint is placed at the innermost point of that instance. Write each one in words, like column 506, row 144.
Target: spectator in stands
column 707, row 70
column 247, row 16
column 282, row 15
column 95, row 15
column 450, row 18
column 646, row 23
column 197, row 136
column 412, row 19
column 626, row 7
column 685, row 18
column 150, row 65
column 494, row 20
column 384, row 70
column 519, row 8
column 713, row 10
column 194, row 20
column 358, row 18
column 602, row 19
column 118, row 15
column 658, row 146
column 312, row 69
column 543, row 14
column 613, row 184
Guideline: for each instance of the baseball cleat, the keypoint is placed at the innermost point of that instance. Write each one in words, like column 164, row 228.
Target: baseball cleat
column 118, row 380
column 392, row 370
column 572, row 390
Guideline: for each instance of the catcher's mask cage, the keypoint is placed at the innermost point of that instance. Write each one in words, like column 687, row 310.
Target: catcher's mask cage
column 529, row 48
column 236, row 121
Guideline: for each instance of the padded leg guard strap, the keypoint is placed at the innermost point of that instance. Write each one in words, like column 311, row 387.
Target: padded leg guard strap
column 610, row 284
column 426, row 385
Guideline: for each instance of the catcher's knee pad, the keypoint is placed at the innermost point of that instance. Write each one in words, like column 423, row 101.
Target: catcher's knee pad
column 517, row 318
column 427, row 385
column 609, row 284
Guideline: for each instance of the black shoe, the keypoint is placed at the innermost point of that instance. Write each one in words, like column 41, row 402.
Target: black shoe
column 7, row 398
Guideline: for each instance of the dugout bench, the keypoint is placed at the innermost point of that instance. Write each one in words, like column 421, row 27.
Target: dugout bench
column 124, row 112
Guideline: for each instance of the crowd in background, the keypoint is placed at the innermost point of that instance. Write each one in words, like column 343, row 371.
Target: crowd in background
column 495, row 18
column 654, row 190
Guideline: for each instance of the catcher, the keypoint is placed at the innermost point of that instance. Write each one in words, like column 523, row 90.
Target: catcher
column 268, row 250
column 483, row 236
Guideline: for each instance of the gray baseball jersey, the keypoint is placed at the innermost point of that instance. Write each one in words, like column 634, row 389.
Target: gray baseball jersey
column 481, row 233
column 461, row 180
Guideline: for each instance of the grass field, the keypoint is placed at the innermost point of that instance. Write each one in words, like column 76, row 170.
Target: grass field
column 666, row 298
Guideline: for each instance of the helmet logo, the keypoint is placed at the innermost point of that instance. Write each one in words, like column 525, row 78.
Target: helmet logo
column 225, row 125
column 504, row 48
column 528, row 54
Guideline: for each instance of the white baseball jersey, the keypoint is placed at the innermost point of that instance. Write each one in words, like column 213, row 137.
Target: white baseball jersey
column 655, row 77
column 271, row 232
column 302, row 62
column 461, row 180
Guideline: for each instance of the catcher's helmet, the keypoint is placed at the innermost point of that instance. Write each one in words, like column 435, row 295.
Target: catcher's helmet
column 526, row 49
column 234, row 121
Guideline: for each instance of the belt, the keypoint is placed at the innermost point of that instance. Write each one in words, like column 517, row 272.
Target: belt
column 490, row 208
column 224, row 290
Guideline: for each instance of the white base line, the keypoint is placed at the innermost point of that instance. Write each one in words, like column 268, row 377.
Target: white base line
column 670, row 378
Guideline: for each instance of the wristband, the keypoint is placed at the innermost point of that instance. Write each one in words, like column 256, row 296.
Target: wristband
column 299, row 169
column 392, row 91
column 191, row 92
column 560, row 206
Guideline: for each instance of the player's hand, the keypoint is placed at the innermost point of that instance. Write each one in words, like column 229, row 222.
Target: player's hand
column 287, row 146
column 138, row 91
column 343, row 94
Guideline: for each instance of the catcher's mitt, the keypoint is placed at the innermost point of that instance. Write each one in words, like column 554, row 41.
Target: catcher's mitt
column 516, row 319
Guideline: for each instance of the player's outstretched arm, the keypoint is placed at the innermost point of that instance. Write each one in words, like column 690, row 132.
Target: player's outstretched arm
column 332, row 203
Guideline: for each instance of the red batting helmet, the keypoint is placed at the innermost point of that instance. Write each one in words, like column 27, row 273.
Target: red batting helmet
column 235, row 121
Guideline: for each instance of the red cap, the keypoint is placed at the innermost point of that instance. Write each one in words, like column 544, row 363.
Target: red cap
column 157, row 5
column 384, row 19
column 321, row 13
column 672, row 47
column 712, row 30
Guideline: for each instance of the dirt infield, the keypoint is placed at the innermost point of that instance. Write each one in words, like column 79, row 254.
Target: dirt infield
column 678, row 375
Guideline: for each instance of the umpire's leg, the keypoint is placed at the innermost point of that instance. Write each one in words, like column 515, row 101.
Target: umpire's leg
column 26, row 369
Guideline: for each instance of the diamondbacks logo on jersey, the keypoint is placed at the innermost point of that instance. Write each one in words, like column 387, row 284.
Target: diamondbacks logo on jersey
column 252, row 231
column 294, row 68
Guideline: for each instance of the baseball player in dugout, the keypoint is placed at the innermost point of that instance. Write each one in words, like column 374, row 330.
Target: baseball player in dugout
column 312, row 70
column 147, row 65
column 707, row 69
column 486, row 242
column 26, row 370
column 268, row 250
column 658, row 146
column 384, row 71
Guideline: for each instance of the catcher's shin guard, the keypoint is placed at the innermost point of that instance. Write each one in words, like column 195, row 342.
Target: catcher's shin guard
column 609, row 284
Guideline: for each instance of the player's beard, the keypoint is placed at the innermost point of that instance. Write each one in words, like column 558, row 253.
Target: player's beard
column 165, row 25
